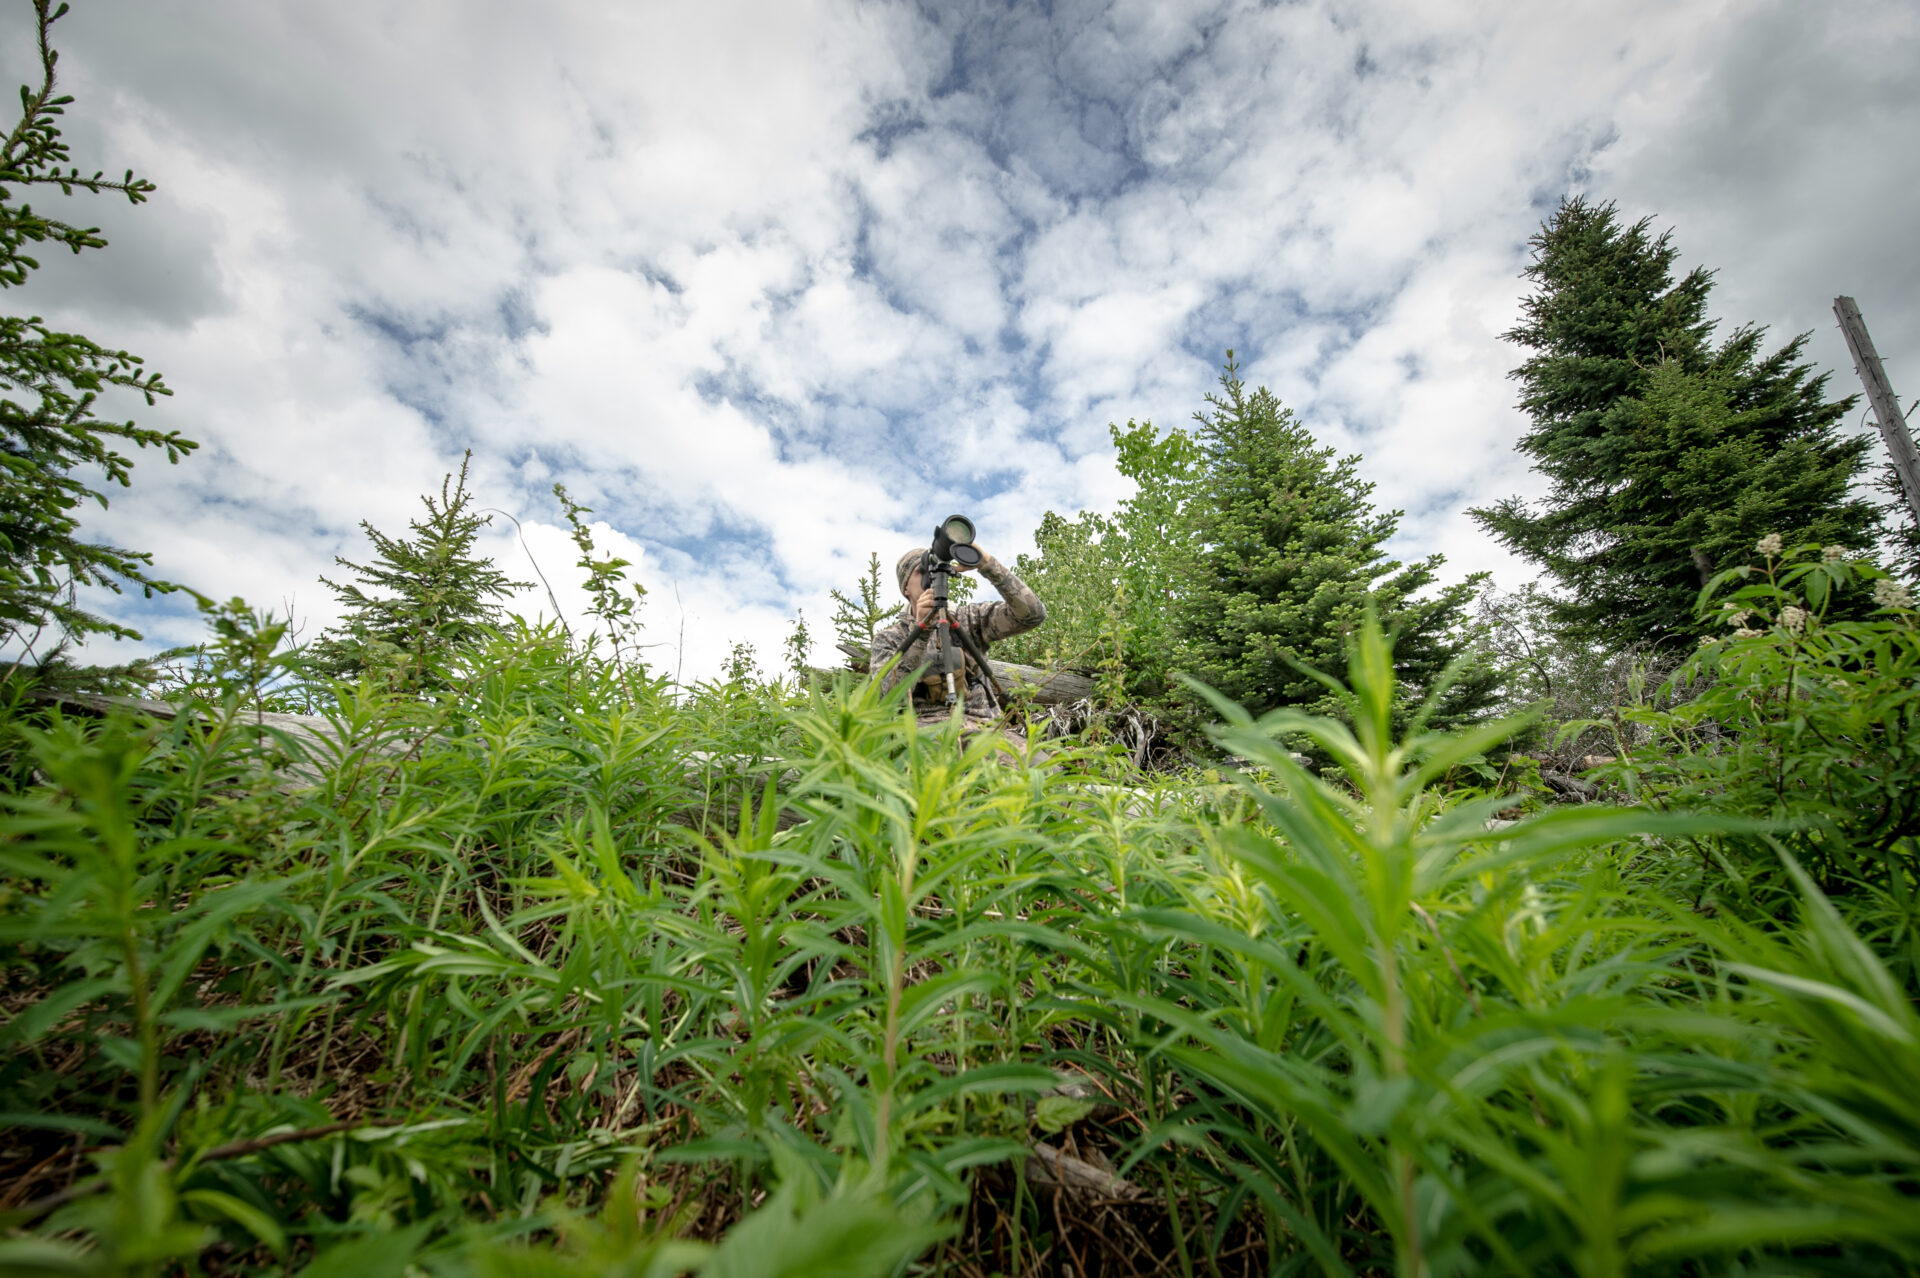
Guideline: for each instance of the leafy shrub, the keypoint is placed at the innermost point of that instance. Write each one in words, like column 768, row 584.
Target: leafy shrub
column 1814, row 724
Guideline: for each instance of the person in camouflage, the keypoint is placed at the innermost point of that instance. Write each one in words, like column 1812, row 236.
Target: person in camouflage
column 908, row 637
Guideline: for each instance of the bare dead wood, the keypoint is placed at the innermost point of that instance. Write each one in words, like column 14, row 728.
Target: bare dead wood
column 316, row 733
column 1046, row 687
column 1055, row 1169
column 1570, row 786
column 1036, row 683
column 1886, row 405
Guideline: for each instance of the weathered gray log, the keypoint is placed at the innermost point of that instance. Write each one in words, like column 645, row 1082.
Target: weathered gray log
column 1572, row 787
column 308, row 730
column 1044, row 687
column 1052, row 1168
column 1049, row 687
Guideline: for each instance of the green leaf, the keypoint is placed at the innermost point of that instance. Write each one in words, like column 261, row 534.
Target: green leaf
column 988, row 1079
column 383, row 1254
column 1054, row 1114
column 846, row 1236
column 250, row 1218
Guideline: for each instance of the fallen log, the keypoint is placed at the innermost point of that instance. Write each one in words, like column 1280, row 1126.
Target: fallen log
column 307, row 730
column 1575, row 788
column 1038, row 684
column 1046, row 687
column 1052, row 1168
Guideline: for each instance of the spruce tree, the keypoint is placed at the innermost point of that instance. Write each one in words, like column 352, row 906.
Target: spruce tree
column 51, row 440
column 1670, row 455
column 856, row 620
column 434, row 595
column 1288, row 552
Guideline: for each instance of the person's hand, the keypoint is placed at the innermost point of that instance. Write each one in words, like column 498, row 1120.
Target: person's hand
column 923, row 606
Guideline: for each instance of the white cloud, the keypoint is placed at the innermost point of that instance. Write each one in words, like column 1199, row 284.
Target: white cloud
column 773, row 285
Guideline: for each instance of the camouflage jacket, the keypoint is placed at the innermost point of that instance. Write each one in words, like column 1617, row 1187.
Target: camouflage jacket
column 1017, row 611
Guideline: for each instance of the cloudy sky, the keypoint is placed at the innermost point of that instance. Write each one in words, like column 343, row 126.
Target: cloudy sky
column 774, row 284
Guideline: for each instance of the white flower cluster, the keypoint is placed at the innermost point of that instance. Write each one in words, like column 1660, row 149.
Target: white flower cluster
column 1738, row 618
column 1888, row 593
column 1748, row 633
column 1832, row 554
column 1770, row 544
column 1794, row 619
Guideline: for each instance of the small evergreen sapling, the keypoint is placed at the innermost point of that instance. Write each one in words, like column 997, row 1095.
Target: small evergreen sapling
column 420, row 599
column 856, row 620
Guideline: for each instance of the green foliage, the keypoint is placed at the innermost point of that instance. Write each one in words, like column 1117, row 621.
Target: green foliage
column 1570, row 678
column 743, row 666
column 565, row 971
column 1794, row 716
column 1245, row 554
column 856, row 619
column 1901, row 545
column 798, row 643
column 1290, row 554
column 1109, row 582
column 248, row 661
column 560, row 973
column 606, row 581
column 435, row 595
column 51, row 440
column 1669, row 455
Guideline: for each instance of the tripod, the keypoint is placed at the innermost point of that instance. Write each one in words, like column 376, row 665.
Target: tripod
column 950, row 642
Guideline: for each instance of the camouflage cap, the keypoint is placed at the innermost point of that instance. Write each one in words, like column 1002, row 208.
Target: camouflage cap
column 907, row 563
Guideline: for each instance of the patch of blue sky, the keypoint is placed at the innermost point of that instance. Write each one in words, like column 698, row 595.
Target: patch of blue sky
column 888, row 123
column 519, row 319
column 406, row 334
column 163, row 620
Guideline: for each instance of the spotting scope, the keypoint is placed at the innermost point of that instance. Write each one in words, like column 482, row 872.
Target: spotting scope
column 952, row 550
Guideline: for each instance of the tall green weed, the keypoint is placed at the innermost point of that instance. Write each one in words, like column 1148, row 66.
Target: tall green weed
column 561, row 969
